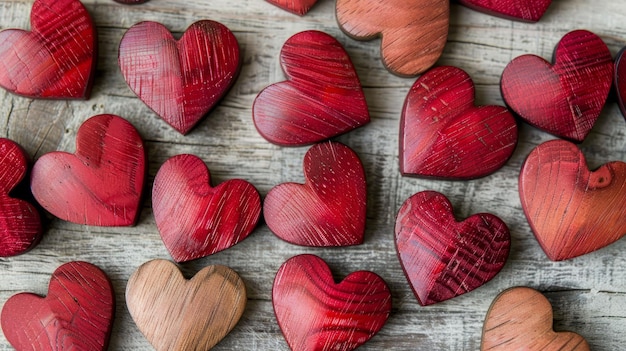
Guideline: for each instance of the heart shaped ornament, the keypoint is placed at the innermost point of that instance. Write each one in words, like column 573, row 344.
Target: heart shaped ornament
column 298, row 7
column 564, row 99
column 181, row 81
column 20, row 225
column 443, row 258
column 77, row 313
column 57, row 58
column 442, row 133
column 322, row 97
column 179, row 314
column 521, row 10
column 315, row 313
column 413, row 33
column 101, row 184
column 521, row 319
column 620, row 80
column 571, row 210
column 196, row 220
column 329, row 209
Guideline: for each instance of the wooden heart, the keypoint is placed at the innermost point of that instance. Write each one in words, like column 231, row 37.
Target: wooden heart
column 77, row 314
column 196, row 220
column 443, row 258
column 179, row 314
column 57, row 58
column 413, row 33
column 315, row 313
column 442, row 133
column 571, row 210
column 564, row 99
column 322, row 97
column 521, row 319
column 181, row 81
column 620, row 80
column 20, row 225
column 131, row 2
column 521, row 10
column 298, row 7
column 101, row 184
column 329, row 209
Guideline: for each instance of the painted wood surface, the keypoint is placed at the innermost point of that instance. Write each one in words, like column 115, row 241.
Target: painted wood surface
column 588, row 293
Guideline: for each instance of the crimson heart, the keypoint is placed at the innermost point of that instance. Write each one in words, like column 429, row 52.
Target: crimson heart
column 101, row 184
column 443, row 258
column 77, row 314
column 57, row 59
column 322, row 97
column 523, row 10
column 620, row 80
column 298, row 7
column 571, row 210
column 564, row 99
column 181, row 81
column 196, row 220
column 444, row 135
column 20, row 225
column 315, row 313
column 329, row 209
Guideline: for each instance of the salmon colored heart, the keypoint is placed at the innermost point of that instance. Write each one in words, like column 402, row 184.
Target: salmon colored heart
column 196, row 220
column 329, row 209
column 181, row 81
column 522, row 10
column 443, row 258
column 521, row 319
column 315, row 313
column 322, row 97
column 57, row 58
column 442, row 133
column 179, row 314
column 101, row 184
column 413, row 33
column 77, row 314
column 564, row 99
column 298, row 7
column 620, row 80
column 20, row 225
column 571, row 210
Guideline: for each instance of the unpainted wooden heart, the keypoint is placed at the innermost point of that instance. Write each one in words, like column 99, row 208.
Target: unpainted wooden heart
column 179, row 314
column 57, row 58
column 571, row 210
column 298, row 7
column 315, row 313
column 77, row 313
column 520, row 318
column 102, row 182
column 521, row 10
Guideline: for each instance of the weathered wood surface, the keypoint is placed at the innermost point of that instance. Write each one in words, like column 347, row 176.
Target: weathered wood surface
column 588, row 293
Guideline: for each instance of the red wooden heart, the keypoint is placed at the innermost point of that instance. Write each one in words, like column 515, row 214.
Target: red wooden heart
column 77, row 314
column 181, row 81
column 20, row 225
column 329, row 208
column 571, row 210
column 196, row 220
column 620, row 80
column 564, row 99
column 298, row 7
column 57, row 59
column 523, row 10
column 322, row 98
column 443, row 258
column 413, row 33
column 444, row 135
column 315, row 313
column 101, row 184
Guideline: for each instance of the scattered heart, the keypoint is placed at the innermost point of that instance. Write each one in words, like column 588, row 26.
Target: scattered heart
column 620, row 80
column 522, row 10
column 298, row 7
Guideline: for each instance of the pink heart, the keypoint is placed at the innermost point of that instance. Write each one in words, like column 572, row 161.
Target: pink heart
column 298, row 7
column 523, row 10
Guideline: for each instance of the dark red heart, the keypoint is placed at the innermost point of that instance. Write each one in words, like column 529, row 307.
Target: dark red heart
column 564, row 99
column 620, row 80
column 322, row 97
column 443, row 258
column 181, row 81
column 571, row 210
column 299, row 7
column 196, row 220
column 523, row 10
column 101, row 184
column 442, row 133
column 20, row 225
column 77, row 314
column 315, row 313
column 329, row 209
column 57, row 59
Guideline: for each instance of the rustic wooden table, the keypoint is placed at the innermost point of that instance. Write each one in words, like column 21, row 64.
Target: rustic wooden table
column 588, row 293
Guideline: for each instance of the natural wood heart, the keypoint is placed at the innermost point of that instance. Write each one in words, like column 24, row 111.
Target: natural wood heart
column 177, row 314
column 521, row 10
column 298, row 7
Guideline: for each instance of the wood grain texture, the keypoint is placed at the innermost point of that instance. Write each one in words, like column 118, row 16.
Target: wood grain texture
column 521, row 10
column 298, row 7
